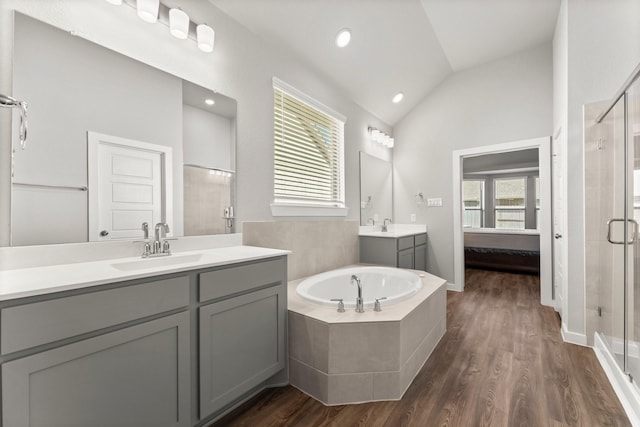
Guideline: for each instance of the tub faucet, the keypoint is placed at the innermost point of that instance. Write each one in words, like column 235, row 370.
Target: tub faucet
column 359, row 303
column 385, row 223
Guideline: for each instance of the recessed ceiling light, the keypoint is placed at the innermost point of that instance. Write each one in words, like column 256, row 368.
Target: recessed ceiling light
column 209, row 101
column 343, row 38
column 398, row 97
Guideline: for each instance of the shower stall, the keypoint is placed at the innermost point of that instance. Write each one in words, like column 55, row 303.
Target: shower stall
column 612, row 235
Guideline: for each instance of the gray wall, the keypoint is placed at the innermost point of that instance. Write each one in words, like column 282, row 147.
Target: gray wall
column 207, row 139
column 506, row 100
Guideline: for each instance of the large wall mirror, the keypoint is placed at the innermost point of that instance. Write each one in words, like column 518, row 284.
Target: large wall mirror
column 376, row 189
column 113, row 143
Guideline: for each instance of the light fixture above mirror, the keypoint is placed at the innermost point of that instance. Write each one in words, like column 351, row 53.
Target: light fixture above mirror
column 177, row 20
column 381, row 138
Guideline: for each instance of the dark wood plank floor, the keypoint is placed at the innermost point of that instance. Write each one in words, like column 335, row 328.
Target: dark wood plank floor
column 502, row 362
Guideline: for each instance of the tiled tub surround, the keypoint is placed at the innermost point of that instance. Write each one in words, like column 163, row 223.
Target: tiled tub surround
column 341, row 358
column 316, row 246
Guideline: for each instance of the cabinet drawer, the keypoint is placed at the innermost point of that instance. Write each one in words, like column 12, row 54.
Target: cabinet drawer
column 34, row 324
column 421, row 239
column 229, row 281
column 405, row 242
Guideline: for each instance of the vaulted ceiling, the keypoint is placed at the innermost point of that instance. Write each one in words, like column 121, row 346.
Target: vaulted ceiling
column 407, row 46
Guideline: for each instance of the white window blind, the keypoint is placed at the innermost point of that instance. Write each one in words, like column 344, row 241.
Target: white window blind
column 308, row 150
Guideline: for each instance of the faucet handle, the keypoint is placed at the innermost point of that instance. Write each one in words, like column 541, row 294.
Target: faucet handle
column 340, row 304
column 377, row 307
column 145, row 229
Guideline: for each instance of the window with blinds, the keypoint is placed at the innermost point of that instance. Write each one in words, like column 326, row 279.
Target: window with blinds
column 308, row 150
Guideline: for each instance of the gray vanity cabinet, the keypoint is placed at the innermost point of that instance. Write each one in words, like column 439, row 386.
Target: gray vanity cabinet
column 403, row 252
column 147, row 351
column 136, row 376
column 242, row 338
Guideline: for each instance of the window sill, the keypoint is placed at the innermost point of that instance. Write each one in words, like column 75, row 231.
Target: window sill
column 305, row 210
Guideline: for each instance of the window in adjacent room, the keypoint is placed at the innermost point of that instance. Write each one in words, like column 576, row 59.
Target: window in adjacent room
column 473, row 199
column 510, row 196
column 308, row 152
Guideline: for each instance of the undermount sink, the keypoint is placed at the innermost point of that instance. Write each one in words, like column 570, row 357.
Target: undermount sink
column 165, row 261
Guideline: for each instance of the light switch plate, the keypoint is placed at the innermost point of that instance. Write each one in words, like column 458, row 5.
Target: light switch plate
column 413, row 217
column 434, row 202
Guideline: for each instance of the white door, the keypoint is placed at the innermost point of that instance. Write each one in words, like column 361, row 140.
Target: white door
column 559, row 240
column 126, row 187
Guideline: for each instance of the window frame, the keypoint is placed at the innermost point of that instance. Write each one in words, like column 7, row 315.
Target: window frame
column 522, row 208
column 282, row 206
column 482, row 202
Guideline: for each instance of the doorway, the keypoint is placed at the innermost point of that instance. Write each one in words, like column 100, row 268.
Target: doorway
column 543, row 147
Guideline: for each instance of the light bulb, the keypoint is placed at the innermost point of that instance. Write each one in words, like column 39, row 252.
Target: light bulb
column 179, row 23
column 206, row 37
column 343, row 38
column 148, row 10
column 398, row 97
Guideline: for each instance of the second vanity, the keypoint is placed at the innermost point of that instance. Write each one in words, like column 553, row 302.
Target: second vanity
column 176, row 341
column 402, row 246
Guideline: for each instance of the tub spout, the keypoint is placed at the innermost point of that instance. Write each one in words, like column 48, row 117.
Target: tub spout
column 359, row 303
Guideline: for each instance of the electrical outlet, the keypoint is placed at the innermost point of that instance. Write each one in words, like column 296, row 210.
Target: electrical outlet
column 413, row 217
column 376, row 218
column 434, row 202
column 363, row 205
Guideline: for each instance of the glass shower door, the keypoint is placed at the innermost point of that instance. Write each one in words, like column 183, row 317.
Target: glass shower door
column 611, row 202
column 633, row 201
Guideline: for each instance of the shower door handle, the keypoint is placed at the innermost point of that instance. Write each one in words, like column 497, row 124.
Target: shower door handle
column 633, row 235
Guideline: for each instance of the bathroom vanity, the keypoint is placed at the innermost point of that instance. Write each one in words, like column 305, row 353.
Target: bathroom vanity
column 124, row 343
column 403, row 247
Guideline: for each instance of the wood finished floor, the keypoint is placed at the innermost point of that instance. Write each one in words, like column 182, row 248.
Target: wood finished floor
column 502, row 362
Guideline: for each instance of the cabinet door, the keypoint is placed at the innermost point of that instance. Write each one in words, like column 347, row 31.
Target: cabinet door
column 420, row 258
column 137, row 376
column 405, row 258
column 242, row 343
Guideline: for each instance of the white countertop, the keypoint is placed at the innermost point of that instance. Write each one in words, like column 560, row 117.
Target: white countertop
column 394, row 230
column 26, row 282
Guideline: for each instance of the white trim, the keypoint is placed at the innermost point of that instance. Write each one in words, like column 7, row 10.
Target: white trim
column 543, row 144
column 627, row 393
column 308, row 210
column 166, row 154
column 572, row 337
column 285, row 87
column 453, row 287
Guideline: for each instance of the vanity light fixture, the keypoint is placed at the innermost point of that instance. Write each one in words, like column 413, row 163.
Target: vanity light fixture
column 209, row 101
column 343, row 37
column 398, row 97
column 179, row 23
column 381, row 138
column 148, row 10
column 206, row 37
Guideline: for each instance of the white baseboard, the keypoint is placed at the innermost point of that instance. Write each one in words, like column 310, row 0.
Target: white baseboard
column 453, row 287
column 573, row 337
column 626, row 392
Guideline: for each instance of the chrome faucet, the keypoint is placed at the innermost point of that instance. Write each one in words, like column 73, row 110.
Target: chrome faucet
column 385, row 223
column 158, row 244
column 359, row 303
